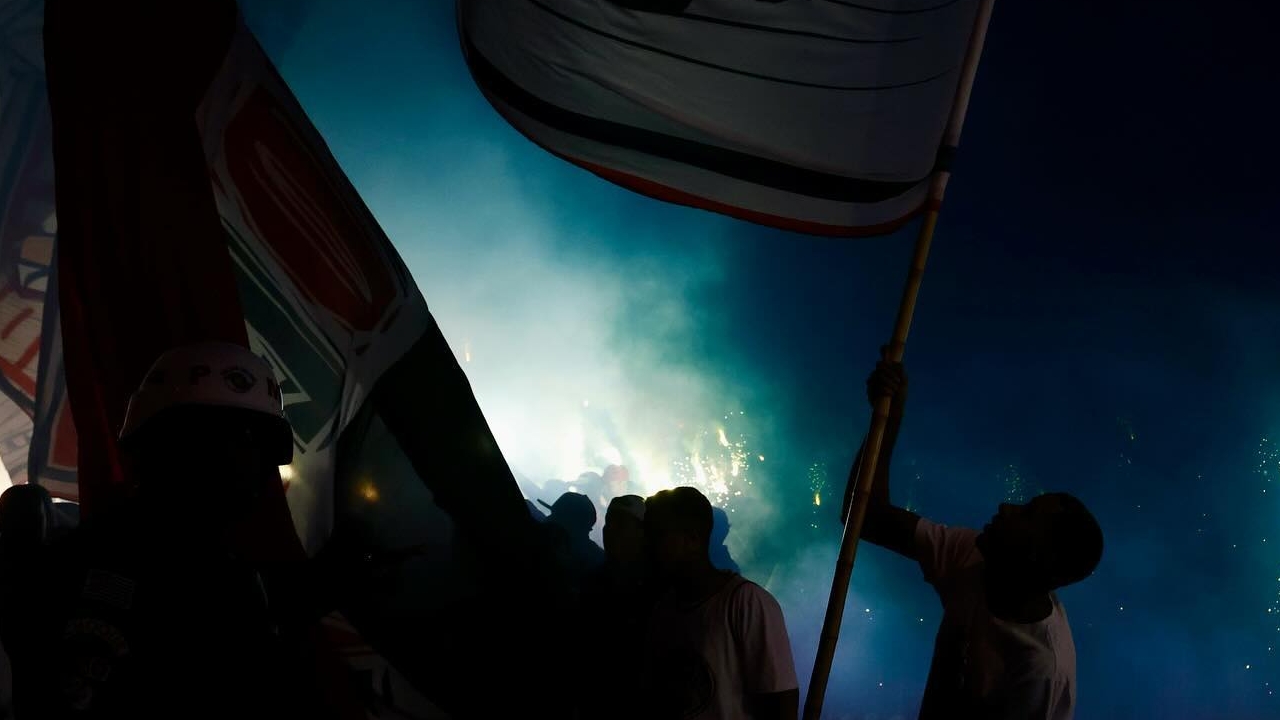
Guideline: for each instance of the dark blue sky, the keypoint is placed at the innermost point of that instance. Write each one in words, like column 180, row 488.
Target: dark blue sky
column 1100, row 315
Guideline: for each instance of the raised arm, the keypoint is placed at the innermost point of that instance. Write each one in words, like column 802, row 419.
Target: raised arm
column 886, row 524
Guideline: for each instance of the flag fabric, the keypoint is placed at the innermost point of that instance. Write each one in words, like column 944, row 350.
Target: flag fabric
column 321, row 291
column 28, row 304
column 820, row 116
column 326, row 298
column 195, row 200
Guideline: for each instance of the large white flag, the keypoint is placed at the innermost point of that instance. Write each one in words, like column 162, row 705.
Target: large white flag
column 822, row 116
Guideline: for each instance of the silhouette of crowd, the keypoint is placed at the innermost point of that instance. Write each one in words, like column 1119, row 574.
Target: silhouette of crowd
column 671, row 628
column 149, row 607
column 143, row 608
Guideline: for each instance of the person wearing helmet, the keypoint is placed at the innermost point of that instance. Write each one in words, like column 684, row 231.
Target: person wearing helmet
column 211, row 414
column 160, row 616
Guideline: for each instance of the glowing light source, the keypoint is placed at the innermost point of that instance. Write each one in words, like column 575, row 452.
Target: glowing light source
column 287, row 473
column 710, row 454
column 368, row 491
column 817, row 499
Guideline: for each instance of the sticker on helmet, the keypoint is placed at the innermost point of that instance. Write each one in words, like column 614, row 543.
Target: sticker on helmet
column 239, row 379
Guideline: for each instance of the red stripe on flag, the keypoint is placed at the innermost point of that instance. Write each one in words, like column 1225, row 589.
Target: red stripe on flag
column 63, row 444
column 662, row 192
column 14, row 371
column 658, row 191
column 14, row 323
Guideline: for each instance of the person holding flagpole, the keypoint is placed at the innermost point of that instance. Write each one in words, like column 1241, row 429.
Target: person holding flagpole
column 1004, row 649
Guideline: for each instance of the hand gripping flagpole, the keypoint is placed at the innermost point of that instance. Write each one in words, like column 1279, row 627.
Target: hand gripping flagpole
column 864, row 473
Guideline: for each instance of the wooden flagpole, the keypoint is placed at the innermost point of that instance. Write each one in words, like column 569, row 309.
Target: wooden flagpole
column 865, row 472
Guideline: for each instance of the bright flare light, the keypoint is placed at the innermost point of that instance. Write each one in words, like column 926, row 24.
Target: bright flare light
column 660, row 452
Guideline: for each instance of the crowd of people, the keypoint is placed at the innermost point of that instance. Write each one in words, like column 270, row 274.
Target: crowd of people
column 695, row 639
column 674, row 630
column 144, row 610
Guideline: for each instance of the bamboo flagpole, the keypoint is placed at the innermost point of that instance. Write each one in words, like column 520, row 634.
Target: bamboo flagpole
column 864, row 473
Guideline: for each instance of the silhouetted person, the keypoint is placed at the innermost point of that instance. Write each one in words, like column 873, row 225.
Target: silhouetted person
column 160, row 618
column 1004, row 649
column 617, row 600
column 720, row 556
column 588, row 483
column 27, row 518
column 717, row 643
column 28, row 521
column 624, row 547
column 572, row 517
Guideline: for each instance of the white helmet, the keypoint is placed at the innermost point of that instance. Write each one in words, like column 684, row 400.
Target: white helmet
column 214, row 374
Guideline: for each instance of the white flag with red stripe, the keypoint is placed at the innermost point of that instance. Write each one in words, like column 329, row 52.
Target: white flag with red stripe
column 822, row 116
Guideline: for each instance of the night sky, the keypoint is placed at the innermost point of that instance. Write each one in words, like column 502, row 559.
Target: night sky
column 1100, row 316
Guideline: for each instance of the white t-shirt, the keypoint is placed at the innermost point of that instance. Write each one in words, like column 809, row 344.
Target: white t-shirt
column 706, row 659
column 984, row 667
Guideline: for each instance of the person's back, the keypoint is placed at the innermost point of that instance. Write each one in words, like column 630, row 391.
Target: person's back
column 717, row 644
column 709, row 657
